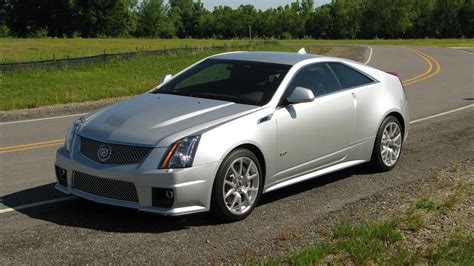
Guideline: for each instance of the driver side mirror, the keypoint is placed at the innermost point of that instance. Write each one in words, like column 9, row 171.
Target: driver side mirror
column 300, row 95
column 166, row 78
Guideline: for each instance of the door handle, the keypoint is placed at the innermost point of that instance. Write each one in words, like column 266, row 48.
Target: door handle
column 354, row 99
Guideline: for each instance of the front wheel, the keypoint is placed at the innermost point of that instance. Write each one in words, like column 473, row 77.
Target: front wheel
column 388, row 145
column 237, row 187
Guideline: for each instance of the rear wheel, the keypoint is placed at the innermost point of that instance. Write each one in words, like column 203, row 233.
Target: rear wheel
column 237, row 187
column 388, row 145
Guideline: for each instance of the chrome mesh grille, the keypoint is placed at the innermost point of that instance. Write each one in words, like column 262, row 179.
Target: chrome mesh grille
column 120, row 154
column 104, row 187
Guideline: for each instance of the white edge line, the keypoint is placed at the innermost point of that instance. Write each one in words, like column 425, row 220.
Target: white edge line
column 441, row 114
column 370, row 55
column 35, row 204
column 463, row 49
column 41, row 119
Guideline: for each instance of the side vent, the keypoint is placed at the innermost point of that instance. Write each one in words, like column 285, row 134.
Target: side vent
column 264, row 119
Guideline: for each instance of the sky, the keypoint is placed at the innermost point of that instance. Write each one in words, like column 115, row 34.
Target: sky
column 259, row 4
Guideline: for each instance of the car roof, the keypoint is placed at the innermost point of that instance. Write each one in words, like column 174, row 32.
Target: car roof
column 284, row 58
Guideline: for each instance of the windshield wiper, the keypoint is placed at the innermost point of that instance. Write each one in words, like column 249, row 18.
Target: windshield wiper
column 174, row 93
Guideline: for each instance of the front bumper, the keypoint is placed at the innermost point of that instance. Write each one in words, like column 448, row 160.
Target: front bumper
column 191, row 187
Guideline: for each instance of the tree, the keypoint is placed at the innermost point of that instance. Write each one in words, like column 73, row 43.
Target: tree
column 386, row 18
column 105, row 17
column 445, row 16
column 186, row 15
column 318, row 25
column 152, row 20
column 246, row 19
column 340, row 19
column 466, row 19
column 423, row 24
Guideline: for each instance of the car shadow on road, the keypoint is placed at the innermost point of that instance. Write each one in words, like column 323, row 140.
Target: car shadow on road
column 85, row 214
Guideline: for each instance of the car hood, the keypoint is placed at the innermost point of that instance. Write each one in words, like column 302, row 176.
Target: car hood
column 159, row 119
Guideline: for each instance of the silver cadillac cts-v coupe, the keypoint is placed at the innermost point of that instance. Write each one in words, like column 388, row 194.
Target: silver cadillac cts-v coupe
column 231, row 127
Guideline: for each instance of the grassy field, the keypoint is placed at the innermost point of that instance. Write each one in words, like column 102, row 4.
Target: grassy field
column 34, row 88
column 408, row 42
column 17, row 50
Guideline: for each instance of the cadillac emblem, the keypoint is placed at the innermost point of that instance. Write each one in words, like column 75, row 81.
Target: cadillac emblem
column 104, row 152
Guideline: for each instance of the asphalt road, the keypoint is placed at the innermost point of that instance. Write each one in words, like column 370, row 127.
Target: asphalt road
column 437, row 80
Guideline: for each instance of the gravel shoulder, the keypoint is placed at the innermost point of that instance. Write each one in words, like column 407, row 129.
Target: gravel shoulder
column 358, row 53
column 82, row 232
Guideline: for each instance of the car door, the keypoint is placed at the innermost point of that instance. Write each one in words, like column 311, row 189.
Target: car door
column 314, row 134
column 363, row 87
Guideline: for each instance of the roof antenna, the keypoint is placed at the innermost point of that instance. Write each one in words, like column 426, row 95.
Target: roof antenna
column 302, row 51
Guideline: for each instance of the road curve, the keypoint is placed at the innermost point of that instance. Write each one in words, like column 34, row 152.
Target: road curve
column 436, row 80
column 448, row 86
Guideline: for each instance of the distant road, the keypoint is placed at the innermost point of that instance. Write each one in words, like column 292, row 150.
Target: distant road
column 449, row 84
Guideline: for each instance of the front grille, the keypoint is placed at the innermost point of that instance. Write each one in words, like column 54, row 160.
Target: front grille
column 119, row 154
column 104, row 187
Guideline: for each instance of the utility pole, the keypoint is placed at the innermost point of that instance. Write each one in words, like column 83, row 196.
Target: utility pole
column 250, row 32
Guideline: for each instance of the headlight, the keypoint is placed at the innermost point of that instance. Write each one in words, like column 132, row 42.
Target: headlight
column 181, row 153
column 72, row 132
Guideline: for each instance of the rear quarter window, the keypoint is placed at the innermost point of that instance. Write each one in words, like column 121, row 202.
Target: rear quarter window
column 348, row 76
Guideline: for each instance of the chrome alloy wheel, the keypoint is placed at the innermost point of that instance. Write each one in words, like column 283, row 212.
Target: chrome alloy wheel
column 241, row 184
column 391, row 144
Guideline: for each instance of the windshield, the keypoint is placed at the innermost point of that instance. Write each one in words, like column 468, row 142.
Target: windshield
column 229, row 80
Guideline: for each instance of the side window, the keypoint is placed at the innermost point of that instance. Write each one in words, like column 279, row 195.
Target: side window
column 348, row 76
column 211, row 74
column 317, row 77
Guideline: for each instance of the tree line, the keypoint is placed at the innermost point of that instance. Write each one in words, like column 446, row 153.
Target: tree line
column 340, row 19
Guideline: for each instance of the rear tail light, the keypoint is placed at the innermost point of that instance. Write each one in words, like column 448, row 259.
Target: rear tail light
column 398, row 76
column 394, row 74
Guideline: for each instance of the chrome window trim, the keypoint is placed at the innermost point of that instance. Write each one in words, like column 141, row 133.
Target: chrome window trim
column 374, row 80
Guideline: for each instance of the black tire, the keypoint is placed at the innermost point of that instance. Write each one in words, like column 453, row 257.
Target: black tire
column 377, row 162
column 218, row 207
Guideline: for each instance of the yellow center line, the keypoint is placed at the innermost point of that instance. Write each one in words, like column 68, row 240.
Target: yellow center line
column 32, row 147
column 430, row 67
column 427, row 74
column 31, row 144
column 438, row 69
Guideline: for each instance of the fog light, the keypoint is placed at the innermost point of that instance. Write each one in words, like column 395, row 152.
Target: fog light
column 169, row 193
column 61, row 171
column 61, row 175
column 162, row 197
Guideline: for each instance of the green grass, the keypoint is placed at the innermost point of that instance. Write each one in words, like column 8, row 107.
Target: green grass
column 310, row 255
column 458, row 249
column 412, row 220
column 116, row 78
column 18, row 50
column 383, row 242
column 426, row 204
column 444, row 207
column 380, row 243
column 359, row 244
column 408, row 42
